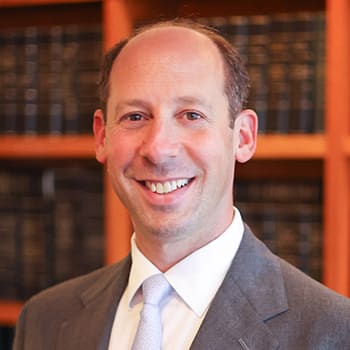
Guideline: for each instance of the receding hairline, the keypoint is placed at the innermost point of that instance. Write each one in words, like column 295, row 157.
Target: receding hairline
column 170, row 28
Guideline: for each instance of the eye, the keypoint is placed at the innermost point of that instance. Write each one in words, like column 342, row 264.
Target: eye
column 134, row 117
column 193, row 115
column 132, row 120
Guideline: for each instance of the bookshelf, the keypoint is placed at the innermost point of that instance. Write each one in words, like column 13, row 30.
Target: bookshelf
column 337, row 208
column 323, row 155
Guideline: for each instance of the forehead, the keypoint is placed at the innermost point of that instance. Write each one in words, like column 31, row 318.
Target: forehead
column 163, row 51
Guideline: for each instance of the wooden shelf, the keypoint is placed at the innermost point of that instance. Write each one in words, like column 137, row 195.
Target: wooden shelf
column 53, row 147
column 9, row 312
column 346, row 146
column 294, row 146
column 82, row 146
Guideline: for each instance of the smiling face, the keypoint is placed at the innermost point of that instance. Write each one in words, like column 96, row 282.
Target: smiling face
column 167, row 142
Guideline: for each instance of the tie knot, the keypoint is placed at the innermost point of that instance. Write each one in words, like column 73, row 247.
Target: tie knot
column 155, row 288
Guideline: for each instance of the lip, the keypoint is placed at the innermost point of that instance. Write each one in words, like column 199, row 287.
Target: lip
column 164, row 199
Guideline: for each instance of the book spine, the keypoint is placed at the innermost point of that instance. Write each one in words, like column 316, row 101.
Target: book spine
column 319, row 24
column 258, row 63
column 10, row 79
column 302, row 74
column 279, row 82
column 56, row 88
column 31, row 80
column 287, row 217
column 51, row 230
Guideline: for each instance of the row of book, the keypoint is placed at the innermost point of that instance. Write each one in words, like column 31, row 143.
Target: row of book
column 51, row 227
column 287, row 216
column 285, row 56
column 48, row 78
column 48, row 75
column 51, row 224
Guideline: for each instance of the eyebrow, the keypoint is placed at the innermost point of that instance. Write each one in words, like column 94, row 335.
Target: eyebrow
column 140, row 103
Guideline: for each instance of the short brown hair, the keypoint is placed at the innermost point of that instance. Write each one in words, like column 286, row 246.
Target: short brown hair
column 236, row 76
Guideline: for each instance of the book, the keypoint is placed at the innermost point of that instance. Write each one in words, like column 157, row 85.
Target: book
column 287, row 216
column 30, row 81
column 258, row 64
column 10, row 81
column 302, row 74
column 284, row 53
column 319, row 22
column 48, row 78
column 52, row 227
column 279, row 101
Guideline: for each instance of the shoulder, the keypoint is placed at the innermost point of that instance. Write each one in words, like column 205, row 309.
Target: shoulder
column 317, row 314
column 312, row 295
column 312, row 313
column 71, row 294
column 43, row 315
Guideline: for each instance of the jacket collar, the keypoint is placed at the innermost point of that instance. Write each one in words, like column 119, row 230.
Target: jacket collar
column 89, row 323
column 252, row 292
column 235, row 319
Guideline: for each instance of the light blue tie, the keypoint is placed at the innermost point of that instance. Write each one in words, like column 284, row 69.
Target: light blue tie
column 149, row 332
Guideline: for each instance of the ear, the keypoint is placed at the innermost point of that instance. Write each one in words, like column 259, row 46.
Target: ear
column 99, row 135
column 246, row 128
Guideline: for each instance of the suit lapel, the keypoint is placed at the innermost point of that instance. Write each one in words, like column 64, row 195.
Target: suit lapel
column 235, row 319
column 91, row 321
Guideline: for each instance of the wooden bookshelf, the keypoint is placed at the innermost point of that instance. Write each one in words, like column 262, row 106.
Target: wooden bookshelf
column 327, row 154
column 9, row 312
column 336, row 175
column 293, row 146
column 38, row 147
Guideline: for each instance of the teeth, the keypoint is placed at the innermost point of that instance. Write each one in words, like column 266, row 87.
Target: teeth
column 167, row 186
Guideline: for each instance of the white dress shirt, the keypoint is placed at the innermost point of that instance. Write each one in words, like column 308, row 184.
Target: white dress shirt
column 195, row 281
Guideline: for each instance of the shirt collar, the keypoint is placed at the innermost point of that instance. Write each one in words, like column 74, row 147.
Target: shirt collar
column 197, row 277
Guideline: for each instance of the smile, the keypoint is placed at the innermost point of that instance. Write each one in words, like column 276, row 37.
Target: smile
column 167, row 186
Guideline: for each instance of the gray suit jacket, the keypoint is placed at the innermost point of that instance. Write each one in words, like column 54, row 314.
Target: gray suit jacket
column 263, row 304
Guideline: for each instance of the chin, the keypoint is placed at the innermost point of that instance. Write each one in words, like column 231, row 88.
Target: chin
column 169, row 229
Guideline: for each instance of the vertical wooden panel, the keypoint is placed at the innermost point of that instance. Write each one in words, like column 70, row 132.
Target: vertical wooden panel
column 117, row 226
column 116, row 26
column 117, row 23
column 337, row 208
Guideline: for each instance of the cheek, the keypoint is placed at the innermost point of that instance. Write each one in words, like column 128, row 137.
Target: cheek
column 120, row 150
column 217, row 146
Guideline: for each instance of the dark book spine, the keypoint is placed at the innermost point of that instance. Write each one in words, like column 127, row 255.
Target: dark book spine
column 319, row 87
column 70, row 79
column 239, row 34
column 258, row 63
column 56, row 78
column 287, row 216
column 8, row 229
column 89, row 58
column 10, row 78
column 302, row 74
column 279, row 83
column 31, row 80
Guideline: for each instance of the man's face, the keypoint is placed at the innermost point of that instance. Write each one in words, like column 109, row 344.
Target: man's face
column 167, row 142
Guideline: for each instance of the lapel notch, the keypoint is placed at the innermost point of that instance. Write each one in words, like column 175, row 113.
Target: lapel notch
column 88, row 326
column 251, row 293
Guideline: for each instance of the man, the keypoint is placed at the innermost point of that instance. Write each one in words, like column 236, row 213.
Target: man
column 170, row 130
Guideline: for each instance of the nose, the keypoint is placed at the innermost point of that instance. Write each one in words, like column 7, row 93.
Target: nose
column 161, row 142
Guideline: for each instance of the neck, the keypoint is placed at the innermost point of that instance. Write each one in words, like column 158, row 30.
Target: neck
column 165, row 252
